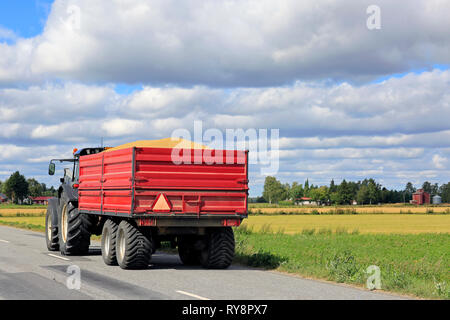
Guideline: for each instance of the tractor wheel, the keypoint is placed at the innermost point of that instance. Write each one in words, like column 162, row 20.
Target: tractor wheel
column 109, row 235
column 219, row 251
column 73, row 230
column 133, row 247
column 189, row 255
column 51, row 231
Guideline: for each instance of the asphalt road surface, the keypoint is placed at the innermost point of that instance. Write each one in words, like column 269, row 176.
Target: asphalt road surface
column 29, row 271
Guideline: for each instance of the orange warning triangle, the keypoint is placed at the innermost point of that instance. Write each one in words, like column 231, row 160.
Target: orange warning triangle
column 161, row 204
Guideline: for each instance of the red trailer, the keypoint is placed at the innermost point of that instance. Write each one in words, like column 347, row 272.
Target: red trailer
column 139, row 197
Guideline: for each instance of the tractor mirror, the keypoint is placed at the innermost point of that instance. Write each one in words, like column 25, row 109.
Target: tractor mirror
column 51, row 169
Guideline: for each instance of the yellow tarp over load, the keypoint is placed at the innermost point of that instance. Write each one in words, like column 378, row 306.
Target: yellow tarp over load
column 163, row 143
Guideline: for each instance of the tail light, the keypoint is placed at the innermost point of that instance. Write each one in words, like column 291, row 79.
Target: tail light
column 231, row 222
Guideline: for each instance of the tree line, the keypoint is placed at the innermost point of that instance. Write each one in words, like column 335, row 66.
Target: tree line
column 17, row 188
column 367, row 191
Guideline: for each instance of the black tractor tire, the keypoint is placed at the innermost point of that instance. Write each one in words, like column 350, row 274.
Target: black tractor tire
column 51, row 231
column 76, row 239
column 133, row 247
column 219, row 250
column 189, row 255
column 109, row 236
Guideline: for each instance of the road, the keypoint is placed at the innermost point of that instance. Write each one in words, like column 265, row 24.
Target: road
column 29, row 271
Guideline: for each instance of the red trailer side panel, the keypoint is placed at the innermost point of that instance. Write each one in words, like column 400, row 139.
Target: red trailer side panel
column 129, row 181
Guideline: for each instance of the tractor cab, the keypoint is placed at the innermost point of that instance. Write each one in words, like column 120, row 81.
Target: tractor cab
column 71, row 174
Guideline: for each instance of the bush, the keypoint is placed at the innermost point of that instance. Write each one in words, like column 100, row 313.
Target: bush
column 342, row 267
column 265, row 259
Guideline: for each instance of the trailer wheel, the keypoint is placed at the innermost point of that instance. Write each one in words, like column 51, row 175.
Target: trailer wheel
column 73, row 229
column 51, row 231
column 109, row 235
column 187, row 252
column 133, row 247
column 219, row 251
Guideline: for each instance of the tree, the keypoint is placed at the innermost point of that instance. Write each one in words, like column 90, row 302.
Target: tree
column 444, row 191
column 296, row 191
column 426, row 187
column 35, row 188
column 434, row 189
column 409, row 190
column 274, row 191
column 320, row 194
column 306, row 188
column 374, row 191
column 345, row 193
column 333, row 187
column 335, row 198
column 16, row 187
column 363, row 195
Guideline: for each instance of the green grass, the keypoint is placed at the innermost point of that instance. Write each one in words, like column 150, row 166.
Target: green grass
column 24, row 225
column 410, row 264
column 18, row 206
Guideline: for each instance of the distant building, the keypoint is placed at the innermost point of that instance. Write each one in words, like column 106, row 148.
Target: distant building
column 3, row 198
column 437, row 199
column 40, row 200
column 420, row 197
column 303, row 201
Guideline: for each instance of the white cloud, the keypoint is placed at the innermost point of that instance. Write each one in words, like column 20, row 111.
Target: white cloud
column 236, row 64
column 7, row 34
column 232, row 43
column 439, row 162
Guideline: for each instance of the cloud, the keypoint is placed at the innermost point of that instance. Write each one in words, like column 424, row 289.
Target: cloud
column 233, row 43
column 439, row 162
column 395, row 130
column 311, row 71
column 6, row 34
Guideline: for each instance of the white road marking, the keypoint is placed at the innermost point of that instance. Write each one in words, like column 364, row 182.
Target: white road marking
column 4, row 241
column 192, row 295
column 59, row 257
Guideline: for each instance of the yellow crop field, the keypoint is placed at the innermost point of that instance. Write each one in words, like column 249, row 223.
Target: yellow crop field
column 355, row 209
column 5, row 212
column 367, row 223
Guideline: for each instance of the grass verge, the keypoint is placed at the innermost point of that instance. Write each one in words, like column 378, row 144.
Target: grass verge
column 24, row 225
column 409, row 264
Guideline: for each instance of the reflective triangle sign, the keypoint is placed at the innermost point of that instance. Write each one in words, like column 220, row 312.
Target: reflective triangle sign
column 161, row 204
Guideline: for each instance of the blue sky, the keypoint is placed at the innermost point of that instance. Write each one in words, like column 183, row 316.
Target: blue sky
column 349, row 102
column 26, row 18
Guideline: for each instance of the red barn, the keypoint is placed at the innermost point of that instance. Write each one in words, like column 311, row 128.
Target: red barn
column 421, row 197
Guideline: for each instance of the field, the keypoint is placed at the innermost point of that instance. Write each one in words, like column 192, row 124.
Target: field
column 403, row 209
column 368, row 223
column 23, row 212
column 411, row 250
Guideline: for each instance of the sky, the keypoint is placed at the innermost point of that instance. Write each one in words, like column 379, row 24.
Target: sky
column 349, row 101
